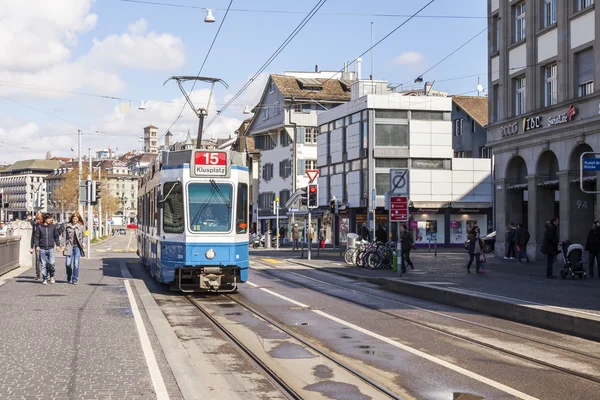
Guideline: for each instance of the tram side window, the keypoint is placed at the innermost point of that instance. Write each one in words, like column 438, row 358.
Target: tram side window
column 173, row 221
column 241, row 225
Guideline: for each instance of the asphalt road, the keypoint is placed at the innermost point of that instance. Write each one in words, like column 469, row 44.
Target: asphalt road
column 414, row 348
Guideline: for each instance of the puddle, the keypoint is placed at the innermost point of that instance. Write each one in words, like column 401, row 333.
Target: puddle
column 338, row 390
column 290, row 351
column 323, row 372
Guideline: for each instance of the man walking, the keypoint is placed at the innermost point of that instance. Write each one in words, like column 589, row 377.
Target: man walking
column 592, row 246
column 521, row 239
column 510, row 237
column 406, row 244
column 550, row 245
column 296, row 236
column 45, row 240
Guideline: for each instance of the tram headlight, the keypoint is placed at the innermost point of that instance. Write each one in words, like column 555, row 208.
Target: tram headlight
column 210, row 254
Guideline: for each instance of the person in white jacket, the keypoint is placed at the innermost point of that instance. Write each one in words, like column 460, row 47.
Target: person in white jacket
column 3, row 229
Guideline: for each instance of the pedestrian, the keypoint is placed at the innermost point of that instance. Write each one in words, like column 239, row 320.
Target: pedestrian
column 592, row 246
column 550, row 245
column 74, row 246
column 296, row 236
column 364, row 233
column 381, row 234
column 3, row 229
column 510, row 237
column 406, row 245
column 38, row 261
column 521, row 240
column 46, row 240
column 475, row 247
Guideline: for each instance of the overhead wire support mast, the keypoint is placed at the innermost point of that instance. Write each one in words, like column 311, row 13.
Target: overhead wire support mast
column 200, row 112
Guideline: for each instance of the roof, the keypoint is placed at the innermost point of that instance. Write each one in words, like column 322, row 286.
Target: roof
column 331, row 89
column 169, row 133
column 150, row 127
column 63, row 159
column 475, row 106
column 44, row 165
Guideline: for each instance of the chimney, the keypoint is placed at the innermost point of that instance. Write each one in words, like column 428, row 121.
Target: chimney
column 428, row 86
column 316, row 68
column 358, row 68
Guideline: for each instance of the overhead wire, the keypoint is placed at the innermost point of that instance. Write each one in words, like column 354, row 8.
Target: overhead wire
column 285, row 43
column 201, row 68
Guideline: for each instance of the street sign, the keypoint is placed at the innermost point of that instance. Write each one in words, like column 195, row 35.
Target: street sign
column 399, row 208
column 588, row 161
column 591, row 164
column 312, row 174
column 399, row 181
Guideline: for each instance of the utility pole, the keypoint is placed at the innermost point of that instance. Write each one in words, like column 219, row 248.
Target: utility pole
column 89, row 205
column 277, row 221
column 2, row 205
column 100, row 202
column 308, row 235
column 80, row 208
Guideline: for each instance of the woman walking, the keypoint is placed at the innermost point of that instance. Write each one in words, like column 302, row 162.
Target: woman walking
column 475, row 246
column 74, row 247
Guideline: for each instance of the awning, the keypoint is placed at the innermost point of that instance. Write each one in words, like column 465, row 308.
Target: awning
column 519, row 186
column 428, row 204
column 585, row 179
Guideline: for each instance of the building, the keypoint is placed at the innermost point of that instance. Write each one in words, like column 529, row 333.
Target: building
column 284, row 128
column 53, row 181
column 137, row 164
column 379, row 129
column 469, row 118
column 150, row 139
column 24, row 187
column 123, row 185
column 544, row 114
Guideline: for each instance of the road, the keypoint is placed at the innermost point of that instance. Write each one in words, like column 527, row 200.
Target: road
column 413, row 348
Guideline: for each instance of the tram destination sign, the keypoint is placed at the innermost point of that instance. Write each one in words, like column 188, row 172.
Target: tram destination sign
column 209, row 163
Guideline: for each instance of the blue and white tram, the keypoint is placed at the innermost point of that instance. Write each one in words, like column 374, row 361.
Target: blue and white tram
column 193, row 220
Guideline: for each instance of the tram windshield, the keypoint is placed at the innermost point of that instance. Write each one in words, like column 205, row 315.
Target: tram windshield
column 210, row 206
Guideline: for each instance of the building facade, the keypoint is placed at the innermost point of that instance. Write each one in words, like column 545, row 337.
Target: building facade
column 24, row 187
column 150, row 139
column 544, row 57
column 123, row 185
column 285, row 130
column 360, row 141
column 469, row 118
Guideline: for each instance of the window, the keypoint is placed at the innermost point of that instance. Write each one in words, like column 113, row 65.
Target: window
column 495, row 33
column 549, row 12
column 264, row 142
column 265, row 200
column 391, row 135
column 581, row 4
column 389, row 114
column 310, row 135
column 306, row 108
column 284, row 197
column 172, row 208
column 473, row 125
column 276, row 109
column 458, row 127
column 550, row 85
column 585, row 72
column 495, row 103
column 519, row 15
column 391, row 163
column 301, row 167
column 485, row 152
column 382, row 183
column 265, row 113
column 210, row 207
column 285, row 168
column 284, row 138
column 311, row 164
column 427, row 115
column 297, row 108
column 272, row 87
column 267, row 172
column 241, row 225
column 519, row 90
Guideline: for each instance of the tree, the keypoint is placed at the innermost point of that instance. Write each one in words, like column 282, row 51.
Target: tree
column 67, row 193
column 110, row 202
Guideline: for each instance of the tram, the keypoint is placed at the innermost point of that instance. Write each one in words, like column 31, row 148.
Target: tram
column 193, row 220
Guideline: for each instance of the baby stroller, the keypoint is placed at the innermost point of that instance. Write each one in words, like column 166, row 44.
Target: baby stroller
column 572, row 255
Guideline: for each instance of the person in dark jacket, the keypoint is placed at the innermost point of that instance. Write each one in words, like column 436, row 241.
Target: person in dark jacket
column 521, row 239
column 476, row 246
column 510, row 239
column 45, row 240
column 381, row 234
column 38, row 262
column 550, row 245
column 364, row 233
column 592, row 246
column 406, row 245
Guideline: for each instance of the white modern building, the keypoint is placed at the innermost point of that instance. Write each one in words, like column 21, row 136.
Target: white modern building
column 285, row 130
column 151, row 139
column 379, row 129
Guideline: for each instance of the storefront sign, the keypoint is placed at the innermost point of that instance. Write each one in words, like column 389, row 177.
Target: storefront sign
column 469, row 211
column 564, row 117
column 454, row 224
column 532, row 123
column 414, row 224
column 509, row 129
column 426, row 211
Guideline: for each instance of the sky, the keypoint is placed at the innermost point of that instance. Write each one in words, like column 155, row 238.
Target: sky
column 70, row 65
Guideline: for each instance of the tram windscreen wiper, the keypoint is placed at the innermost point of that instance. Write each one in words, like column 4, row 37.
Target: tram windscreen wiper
column 223, row 197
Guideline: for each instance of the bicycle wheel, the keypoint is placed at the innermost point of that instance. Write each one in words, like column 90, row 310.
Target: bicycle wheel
column 358, row 256
column 349, row 256
column 372, row 259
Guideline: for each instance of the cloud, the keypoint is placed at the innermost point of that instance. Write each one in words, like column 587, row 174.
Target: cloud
column 410, row 59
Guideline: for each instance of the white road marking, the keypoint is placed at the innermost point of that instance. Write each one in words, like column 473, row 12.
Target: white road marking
column 155, row 375
column 129, row 243
column 415, row 352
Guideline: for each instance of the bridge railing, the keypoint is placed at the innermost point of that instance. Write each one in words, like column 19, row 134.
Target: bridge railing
column 9, row 253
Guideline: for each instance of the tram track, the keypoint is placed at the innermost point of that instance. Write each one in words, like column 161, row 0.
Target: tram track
column 262, row 366
column 438, row 329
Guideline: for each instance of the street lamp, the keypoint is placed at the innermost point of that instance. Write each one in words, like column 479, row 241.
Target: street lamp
column 209, row 16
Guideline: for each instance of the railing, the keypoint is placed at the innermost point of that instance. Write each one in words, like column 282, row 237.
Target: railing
column 9, row 253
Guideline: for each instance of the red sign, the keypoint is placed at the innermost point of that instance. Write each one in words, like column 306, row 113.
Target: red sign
column 210, row 163
column 312, row 174
column 399, row 208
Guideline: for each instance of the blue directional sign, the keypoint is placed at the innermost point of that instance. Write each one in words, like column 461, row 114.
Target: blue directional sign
column 591, row 164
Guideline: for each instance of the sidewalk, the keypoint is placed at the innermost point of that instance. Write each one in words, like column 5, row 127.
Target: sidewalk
column 507, row 289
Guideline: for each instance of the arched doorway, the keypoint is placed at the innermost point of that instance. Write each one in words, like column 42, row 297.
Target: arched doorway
column 582, row 205
column 547, row 197
column 516, row 201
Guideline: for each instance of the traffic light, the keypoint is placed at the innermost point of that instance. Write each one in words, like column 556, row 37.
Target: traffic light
column 304, row 198
column 96, row 192
column 332, row 206
column 272, row 207
column 42, row 200
column 313, row 195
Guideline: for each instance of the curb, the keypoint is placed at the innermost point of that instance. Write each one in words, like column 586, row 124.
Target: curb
column 558, row 320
